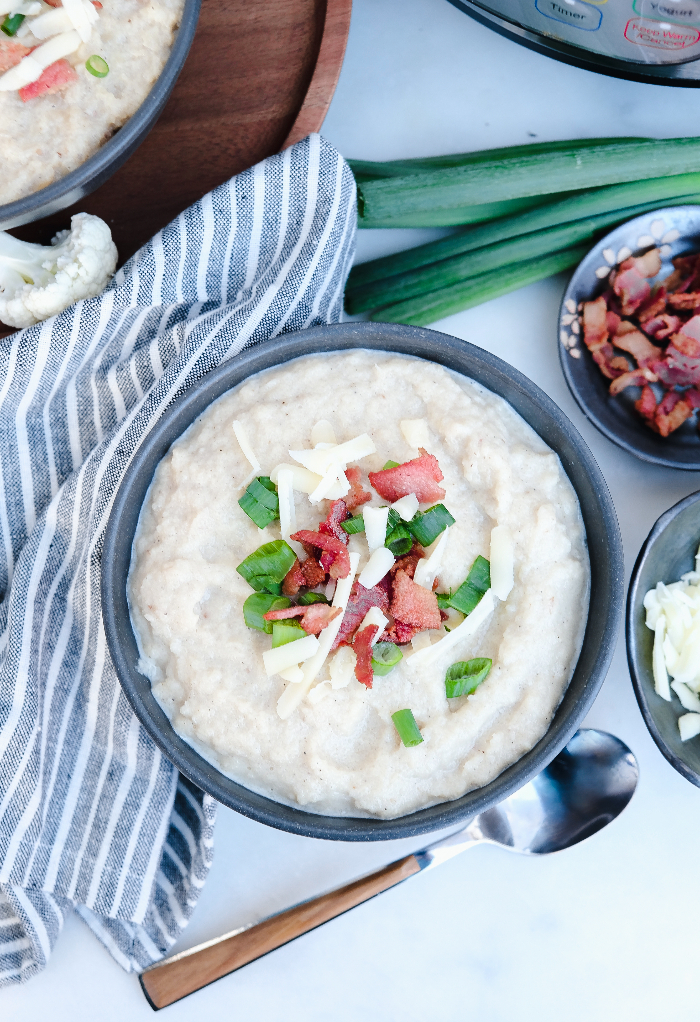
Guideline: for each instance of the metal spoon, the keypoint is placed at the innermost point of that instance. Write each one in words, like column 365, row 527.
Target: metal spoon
column 582, row 790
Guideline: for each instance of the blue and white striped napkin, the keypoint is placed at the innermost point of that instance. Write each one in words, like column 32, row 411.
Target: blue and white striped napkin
column 92, row 816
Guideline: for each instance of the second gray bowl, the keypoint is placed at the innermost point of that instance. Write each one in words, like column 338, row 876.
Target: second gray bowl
column 604, row 545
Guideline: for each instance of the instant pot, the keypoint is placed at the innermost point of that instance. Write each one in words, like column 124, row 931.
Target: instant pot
column 654, row 41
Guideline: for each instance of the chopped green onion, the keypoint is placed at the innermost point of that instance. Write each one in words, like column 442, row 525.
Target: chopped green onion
column 385, row 657
column 426, row 526
column 473, row 588
column 258, row 604
column 444, row 600
column 390, row 464
column 287, row 630
column 405, row 724
column 464, row 677
column 308, row 598
column 393, row 520
column 97, row 66
column 267, row 566
column 11, row 24
column 260, row 501
column 352, row 525
column 399, row 541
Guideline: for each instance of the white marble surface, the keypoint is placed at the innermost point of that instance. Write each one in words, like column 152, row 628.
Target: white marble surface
column 604, row 931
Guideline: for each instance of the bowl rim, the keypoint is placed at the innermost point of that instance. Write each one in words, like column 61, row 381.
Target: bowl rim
column 102, row 164
column 565, row 359
column 607, row 573
column 638, row 682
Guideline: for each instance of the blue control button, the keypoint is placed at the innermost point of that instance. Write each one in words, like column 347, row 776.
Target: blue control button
column 571, row 12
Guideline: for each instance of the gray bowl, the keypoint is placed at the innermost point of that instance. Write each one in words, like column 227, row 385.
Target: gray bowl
column 616, row 417
column 668, row 552
column 109, row 157
column 544, row 416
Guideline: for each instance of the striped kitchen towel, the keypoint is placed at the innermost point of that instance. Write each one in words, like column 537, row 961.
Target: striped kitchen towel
column 92, row 816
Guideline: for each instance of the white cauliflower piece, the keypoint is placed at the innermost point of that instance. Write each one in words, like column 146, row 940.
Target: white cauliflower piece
column 38, row 281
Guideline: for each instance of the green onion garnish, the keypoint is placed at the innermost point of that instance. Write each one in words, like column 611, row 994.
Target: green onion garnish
column 352, row 525
column 258, row 604
column 286, row 631
column 97, row 66
column 266, row 567
column 405, row 724
column 385, row 656
column 464, row 677
column 399, row 541
column 308, row 598
column 260, row 501
column 473, row 588
column 426, row 526
column 390, row 464
column 11, row 24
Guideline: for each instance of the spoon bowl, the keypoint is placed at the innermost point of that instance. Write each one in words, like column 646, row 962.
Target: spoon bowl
column 581, row 791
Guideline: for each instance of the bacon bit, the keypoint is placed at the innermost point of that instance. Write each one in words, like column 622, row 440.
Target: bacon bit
column 357, row 495
column 419, row 476
column 655, row 305
column 595, row 323
column 671, row 413
column 339, row 565
column 684, row 302
column 294, row 580
column 412, row 604
column 408, row 562
column 631, row 287
column 686, row 345
column 95, row 3
column 634, row 378
column 399, row 633
column 313, row 573
column 57, row 76
column 692, row 328
column 331, row 527
column 646, row 405
column 662, row 327
column 314, row 618
column 362, row 645
column 359, row 603
column 55, row 3
column 609, row 365
column 11, row 52
column 633, row 341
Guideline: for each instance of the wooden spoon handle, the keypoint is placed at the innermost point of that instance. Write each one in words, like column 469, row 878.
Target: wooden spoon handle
column 182, row 974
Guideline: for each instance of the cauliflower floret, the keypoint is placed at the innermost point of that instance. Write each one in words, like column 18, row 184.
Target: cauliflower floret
column 38, row 281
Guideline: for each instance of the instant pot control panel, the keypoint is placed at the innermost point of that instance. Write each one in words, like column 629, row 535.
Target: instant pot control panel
column 644, row 39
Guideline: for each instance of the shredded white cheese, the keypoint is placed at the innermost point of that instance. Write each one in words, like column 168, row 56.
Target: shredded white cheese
column 415, row 432
column 428, row 567
column 285, row 493
column 469, row 627
column 502, row 561
column 295, row 692
column 302, row 479
column 374, row 616
column 323, row 433
column 30, row 68
column 244, row 444
column 320, row 460
column 421, row 641
column 406, row 506
column 341, row 667
column 290, row 655
column 376, row 519
column 381, row 561
column 294, row 674
column 673, row 614
column 333, row 479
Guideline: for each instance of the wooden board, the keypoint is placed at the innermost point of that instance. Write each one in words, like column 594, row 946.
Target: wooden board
column 259, row 77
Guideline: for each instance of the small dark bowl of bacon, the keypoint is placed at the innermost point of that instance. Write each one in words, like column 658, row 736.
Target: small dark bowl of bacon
column 630, row 336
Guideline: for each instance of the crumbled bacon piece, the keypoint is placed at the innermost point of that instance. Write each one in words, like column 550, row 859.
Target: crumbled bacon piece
column 337, row 514
column 55, row 77
column 662, row 326
column 595, row 325
column 400, row 633
column 654, row 305
column 314, row 618
column 671, row 413
column 646, row 405
column 360, row 601
column 357, row 495
column 408, row 562
column 412, row 604
column 11, row 52
column 629, row 339
column 294, row 580
column 313, row 573
column 362, row 645
column 339, row 566
column 419, row 476
column 631, row 287
column 634, row 378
